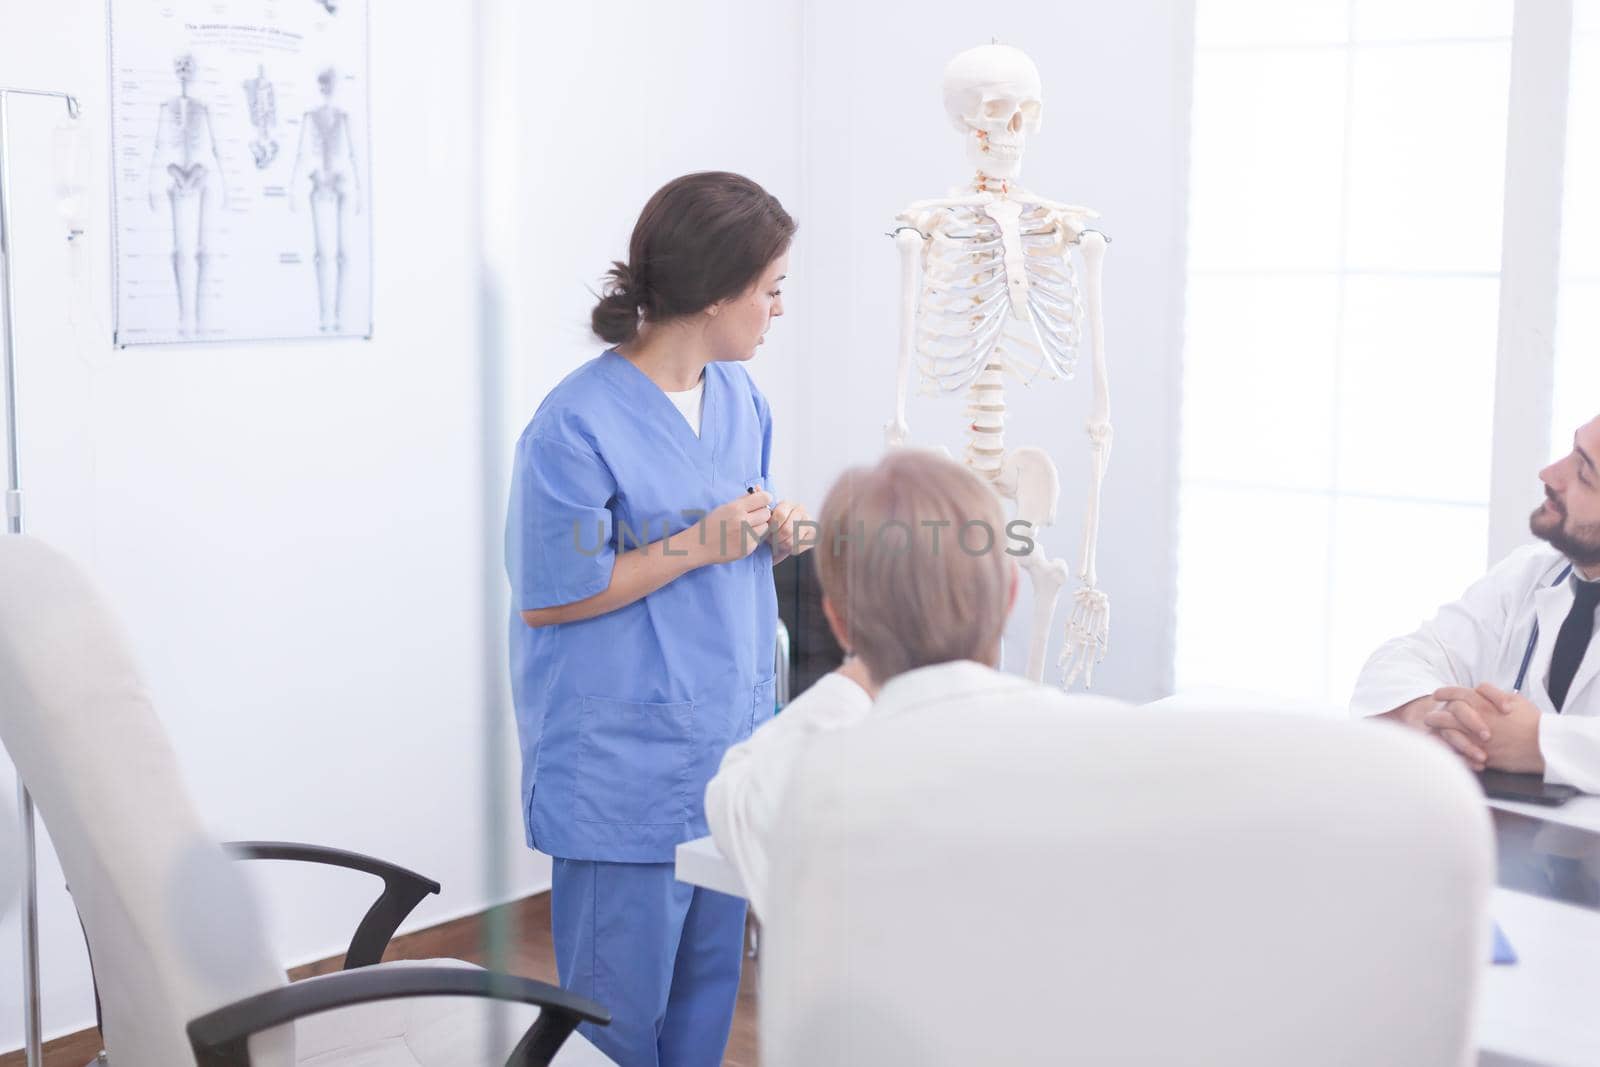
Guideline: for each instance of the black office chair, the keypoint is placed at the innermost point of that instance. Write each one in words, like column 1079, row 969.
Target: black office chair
column 812, row 650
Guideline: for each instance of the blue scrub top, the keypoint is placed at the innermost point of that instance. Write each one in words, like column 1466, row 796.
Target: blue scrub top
column 624, row 718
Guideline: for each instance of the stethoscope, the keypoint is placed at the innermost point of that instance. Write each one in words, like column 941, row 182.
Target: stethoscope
column 1533, row 637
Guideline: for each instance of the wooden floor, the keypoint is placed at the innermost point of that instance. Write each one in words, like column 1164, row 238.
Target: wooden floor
column 533, row 957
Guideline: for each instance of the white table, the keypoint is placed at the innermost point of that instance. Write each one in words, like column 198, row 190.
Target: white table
column 700, row 863
column 1544, row 1009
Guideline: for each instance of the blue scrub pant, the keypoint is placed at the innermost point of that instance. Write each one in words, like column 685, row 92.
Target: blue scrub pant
column 663, row 956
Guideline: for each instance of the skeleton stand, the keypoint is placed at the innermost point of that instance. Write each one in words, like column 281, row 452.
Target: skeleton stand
column 33, row 1026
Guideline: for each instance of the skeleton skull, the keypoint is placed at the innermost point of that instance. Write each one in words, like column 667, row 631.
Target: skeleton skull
column 992, row 95
column 184, row 67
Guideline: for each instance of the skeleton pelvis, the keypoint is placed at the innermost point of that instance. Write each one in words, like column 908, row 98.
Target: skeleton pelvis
column 1028, row 476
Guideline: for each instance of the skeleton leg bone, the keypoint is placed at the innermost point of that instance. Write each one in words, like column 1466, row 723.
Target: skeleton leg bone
column 325, row 231
column 340, row 264
column 1028, row 476
column 188, row 249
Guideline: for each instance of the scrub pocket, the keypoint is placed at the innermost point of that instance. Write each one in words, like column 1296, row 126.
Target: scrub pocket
column 634, row 760
column 766, row 695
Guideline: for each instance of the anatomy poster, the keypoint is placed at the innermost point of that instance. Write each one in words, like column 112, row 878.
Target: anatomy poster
column 242, row 170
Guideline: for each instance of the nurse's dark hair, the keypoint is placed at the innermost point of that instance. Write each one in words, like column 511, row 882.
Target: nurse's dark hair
column 701, row 239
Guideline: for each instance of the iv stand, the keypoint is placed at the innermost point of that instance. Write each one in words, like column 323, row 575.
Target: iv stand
column 30, row 888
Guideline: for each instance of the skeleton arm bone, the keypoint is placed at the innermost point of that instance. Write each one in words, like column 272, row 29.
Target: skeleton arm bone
column 908, row 241
column 216, row 157
column 1094, row 250
column 350, row 149
column 299, row 158
column 917, row 223
column 155, row 154
column 1090, row 624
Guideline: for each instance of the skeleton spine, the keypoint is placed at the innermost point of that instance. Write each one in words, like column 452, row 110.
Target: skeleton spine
column 986, row 420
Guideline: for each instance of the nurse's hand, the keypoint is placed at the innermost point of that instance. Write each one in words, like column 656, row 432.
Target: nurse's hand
column 785, row 516
column 734, row 530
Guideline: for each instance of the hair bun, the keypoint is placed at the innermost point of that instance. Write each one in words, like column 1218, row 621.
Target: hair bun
column 615, row 318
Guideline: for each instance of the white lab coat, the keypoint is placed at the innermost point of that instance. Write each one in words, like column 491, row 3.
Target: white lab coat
column 742, row 799
column 1482, row 638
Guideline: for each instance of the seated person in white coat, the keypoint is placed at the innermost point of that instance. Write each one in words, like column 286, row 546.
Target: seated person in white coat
column 917, row 581
column 1507, row 675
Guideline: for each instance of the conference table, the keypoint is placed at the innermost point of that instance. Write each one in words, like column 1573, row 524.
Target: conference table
column 1544, row 1009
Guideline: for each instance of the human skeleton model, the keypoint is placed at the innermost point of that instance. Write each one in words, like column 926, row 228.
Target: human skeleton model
column 327, row 145
column 263, row 103
column 186, row 160
column 989, row 287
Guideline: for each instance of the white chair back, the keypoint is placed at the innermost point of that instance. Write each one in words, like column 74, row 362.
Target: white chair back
column 171, row 924
column 1123, row 887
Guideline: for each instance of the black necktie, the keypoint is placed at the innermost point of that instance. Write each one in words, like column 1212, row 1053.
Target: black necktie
column 1573, row 640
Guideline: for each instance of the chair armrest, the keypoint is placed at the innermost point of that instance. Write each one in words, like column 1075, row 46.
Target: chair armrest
column 221, row 1038
column 403, row 890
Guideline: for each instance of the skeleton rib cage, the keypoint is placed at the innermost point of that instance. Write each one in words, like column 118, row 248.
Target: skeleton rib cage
column 966, row 314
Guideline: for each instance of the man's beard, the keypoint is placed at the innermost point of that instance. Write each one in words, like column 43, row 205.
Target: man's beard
column 1580, row 544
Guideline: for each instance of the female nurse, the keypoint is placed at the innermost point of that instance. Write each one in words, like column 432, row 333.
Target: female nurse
column 642, row 531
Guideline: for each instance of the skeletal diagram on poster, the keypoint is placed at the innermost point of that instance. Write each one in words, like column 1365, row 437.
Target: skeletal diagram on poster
column 242, row 177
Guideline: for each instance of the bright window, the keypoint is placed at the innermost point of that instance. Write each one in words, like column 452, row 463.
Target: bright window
column 1346, row 190
column 1577, row 394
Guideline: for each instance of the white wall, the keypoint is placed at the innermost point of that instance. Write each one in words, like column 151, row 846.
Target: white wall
column 291, row 531
column 1116, row 90
column 619, row 99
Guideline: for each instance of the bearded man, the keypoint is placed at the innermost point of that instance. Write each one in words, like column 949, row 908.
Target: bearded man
column 1507, row 675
